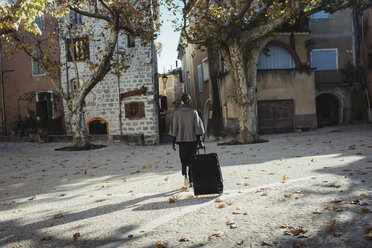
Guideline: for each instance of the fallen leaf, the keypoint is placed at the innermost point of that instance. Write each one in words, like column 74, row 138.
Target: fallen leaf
column 218, row 200
column 312, row 160
column 317, row 212
column 235, row 213
column 161, row 245
column 241, row 242
column 281, row 159
column 272, row 173
column 76, row 236
column 363, row 194
column 265, row 194
column 57, row 216
column 331, row 226
column 32, row 198
column 229, row 203
column 288, row 195
column 365, row 210
column 285, row 178
column 166, row 179
column 217, row 234
column 63, row 194
column 246, row 184
column 173, row 198
column 184, row 189
column 184, row 239
column 8, row 203
column 190, row 196
column 221, row 205
column 91, row 196
column 100, row 200
column 229, row 223
column 149, row 166
column 263, row 243
column 285, row 226
column 334, row 208
column 47, row 238
column 234, row 226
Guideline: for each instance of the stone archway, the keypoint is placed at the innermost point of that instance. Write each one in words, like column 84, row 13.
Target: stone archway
column 328, row 110
column 97, row 126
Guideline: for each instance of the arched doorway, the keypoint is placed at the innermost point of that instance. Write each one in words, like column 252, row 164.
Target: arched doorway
column 97, row 126
column 327, row 110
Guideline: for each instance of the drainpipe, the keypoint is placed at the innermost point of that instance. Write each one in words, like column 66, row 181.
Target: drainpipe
column 117, row 61
column 2, row 93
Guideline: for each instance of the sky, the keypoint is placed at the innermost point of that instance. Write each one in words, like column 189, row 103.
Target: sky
column 169, row 38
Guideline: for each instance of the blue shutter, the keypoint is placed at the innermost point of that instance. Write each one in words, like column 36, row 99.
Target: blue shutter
column 324, row 60
column 279, row 58
column 320, row 15
column 200, row 79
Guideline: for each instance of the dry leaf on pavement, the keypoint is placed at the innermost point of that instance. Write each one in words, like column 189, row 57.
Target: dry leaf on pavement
column 241, row 242
column 32, row 198
column 184, row 239
column 149, row 166
column 331, row 226
column 161, row 245
column 8, row 203
column 76, row 236
column 166, row 179
column 218, row 200
column 173, row 198
column 217, row 234
column 221, row 205
column 184, row 189
column 285, row 178
column 47, row 238
column 57, row 216
column 63, row 194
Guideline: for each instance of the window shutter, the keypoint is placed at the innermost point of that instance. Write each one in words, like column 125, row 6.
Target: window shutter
column 127, row 110
column 141, row 109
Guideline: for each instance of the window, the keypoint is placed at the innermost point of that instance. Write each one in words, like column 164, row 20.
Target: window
column 324, row 59
column 130, row 39
column 277, row 58
column 75, row 17
column 80, row 48
column 200, row 79
column 36, row 68
column 39, row 22
column 134, row 110
column 320, row 15
column 44, row 106
column 205, row 69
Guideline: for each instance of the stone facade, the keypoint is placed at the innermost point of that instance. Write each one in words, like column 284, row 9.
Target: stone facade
column 104, row 102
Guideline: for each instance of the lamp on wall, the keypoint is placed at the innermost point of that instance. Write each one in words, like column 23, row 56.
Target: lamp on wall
column 164, row 78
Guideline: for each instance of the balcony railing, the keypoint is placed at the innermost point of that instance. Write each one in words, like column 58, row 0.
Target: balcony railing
column 324, row 78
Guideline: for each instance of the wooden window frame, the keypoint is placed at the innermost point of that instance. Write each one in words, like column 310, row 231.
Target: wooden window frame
column 139, row 115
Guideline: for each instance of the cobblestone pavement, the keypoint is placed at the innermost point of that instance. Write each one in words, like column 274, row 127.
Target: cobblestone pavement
column 310, row 189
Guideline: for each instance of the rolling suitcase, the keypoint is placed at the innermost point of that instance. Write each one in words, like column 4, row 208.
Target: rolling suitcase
column 206, row 174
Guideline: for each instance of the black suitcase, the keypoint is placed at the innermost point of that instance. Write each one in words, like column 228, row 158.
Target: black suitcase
column 206, row 174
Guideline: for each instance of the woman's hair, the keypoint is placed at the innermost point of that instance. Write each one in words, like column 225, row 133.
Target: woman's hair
column 186, row 98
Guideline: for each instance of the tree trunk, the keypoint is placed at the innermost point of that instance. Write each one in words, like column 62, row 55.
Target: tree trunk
column 243, row 65
column 79, row 137
column 216, row 123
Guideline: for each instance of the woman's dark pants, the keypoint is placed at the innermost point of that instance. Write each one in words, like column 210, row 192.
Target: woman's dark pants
column 187, row 151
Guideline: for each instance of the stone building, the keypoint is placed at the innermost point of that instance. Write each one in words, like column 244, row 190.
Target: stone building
column 340, row 97
column 122, row 108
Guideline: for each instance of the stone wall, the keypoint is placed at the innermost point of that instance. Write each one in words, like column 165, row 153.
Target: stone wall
column 104, row 100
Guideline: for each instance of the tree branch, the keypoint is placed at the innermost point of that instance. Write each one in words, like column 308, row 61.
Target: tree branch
column 88, row 14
